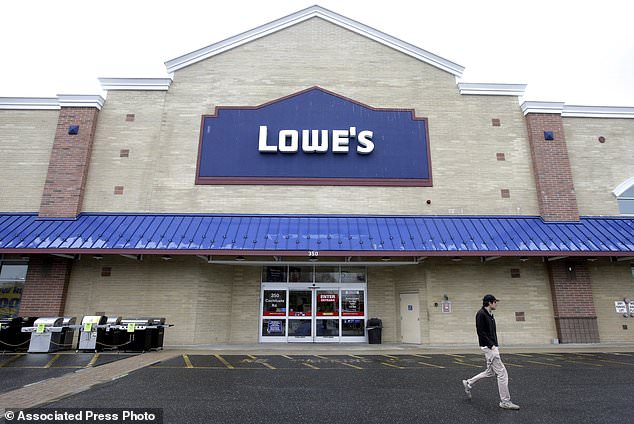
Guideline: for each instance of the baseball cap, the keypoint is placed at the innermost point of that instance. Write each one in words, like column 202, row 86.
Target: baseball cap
column 489, row 298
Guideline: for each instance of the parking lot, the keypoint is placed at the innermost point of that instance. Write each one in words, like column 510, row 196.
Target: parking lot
column 351, row 388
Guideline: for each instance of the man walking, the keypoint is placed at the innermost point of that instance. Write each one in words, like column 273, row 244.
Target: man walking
column 488, row 339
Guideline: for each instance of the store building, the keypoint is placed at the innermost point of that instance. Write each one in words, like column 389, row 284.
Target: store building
column 293, row 181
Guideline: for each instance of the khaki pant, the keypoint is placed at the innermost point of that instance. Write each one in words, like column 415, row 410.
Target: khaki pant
column 494, row 367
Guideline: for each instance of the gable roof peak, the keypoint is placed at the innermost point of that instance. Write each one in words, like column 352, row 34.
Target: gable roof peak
column 304, row 15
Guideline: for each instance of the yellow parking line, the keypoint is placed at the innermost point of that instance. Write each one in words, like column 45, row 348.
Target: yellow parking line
column 390, row 356
column 93, row 360
column 544, row 363
column 522, row 354
column 12, row 359
column 356, row 357
column 320, row 357
column 422, row 356
column 455, row 356
column 224, row 361
column 351, row 366
column 269, row 366
column 582, row 362
column 55, row 358
column 287, row 357
column 251, row 357
column 553, row 354
column 392, row 365
column 431, row 365
column 310, row 366
column 188, row 363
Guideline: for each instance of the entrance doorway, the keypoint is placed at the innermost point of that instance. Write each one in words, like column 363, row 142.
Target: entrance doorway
column 313, row 311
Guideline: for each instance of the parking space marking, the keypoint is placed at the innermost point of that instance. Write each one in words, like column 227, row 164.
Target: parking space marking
column 392, row 365
column 320, row 357
column 310, row 365
column 287, row 357
column 52, row 361
column 188, row 362
column 12, row 359
column 225, row 362
column 521, row 354
column 455, row 356
column 431, row 365
column 422, row 356
column 351, row 365
column 93, row 360
column 391, row 357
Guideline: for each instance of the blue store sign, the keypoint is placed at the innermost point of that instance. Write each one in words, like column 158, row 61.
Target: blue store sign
column 314, row 137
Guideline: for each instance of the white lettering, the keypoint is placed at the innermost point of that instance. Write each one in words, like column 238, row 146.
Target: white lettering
column 366, row 145
column 262, row 146
column 340, row 141
column 316, row 141
column 283, row 141
column 313, row 143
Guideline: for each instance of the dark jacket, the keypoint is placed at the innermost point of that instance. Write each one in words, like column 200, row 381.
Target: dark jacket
column 485, row 326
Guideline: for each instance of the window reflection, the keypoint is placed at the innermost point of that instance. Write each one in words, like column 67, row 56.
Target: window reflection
column 353, row 327
column 327, row 302
column 327, row 327
column 300, row 303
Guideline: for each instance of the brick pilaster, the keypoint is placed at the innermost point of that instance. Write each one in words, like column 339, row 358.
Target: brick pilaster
column 45, row 287
column 573, row 304
column 68, row 165
column 551, row 165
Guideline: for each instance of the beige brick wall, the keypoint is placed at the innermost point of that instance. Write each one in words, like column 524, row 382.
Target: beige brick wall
column 141, row 137
column 597, row 168
column 161, row 171
column 465, row 283
column 26, row 140
column 206, row 303
column 612, row 282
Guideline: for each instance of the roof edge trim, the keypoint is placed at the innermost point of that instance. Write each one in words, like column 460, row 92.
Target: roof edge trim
column 491, row 89
column 80, row 100
column 303, row 15
column 151, row 84
column 29, row 103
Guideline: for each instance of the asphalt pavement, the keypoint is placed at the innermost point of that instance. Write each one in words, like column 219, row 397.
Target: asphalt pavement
column 380, row 388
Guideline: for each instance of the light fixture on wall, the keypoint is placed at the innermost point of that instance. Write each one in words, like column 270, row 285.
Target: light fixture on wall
column 456, row 259
column 166, row 257
column 239, row 258
column 97, row 257
column 523, row 258
column 386, row 259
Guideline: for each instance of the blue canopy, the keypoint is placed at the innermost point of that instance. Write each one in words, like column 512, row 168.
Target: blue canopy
column 327, row 234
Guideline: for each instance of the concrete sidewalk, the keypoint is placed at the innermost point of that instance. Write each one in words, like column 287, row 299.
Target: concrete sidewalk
column 76, row 382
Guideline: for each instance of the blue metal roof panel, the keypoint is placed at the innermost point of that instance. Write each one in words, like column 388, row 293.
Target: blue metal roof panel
column 449, row 234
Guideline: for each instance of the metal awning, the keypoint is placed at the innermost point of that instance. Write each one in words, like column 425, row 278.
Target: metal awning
column 330, row 235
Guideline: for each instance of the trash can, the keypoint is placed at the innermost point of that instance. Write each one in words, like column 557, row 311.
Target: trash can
column 157, row 332
column 88, row 332
column 135, row 331
column 108, row 338
column 11, row 336
column 68, row 333
column 375, row 327
column 46, row 335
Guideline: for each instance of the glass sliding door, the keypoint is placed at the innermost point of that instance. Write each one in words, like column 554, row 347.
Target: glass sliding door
column 314, row 304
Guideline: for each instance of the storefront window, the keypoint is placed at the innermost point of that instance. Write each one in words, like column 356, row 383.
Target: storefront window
column 274, row 328
column 353, row 328
column 299, row 327
column 327, row 327
column 328, row 303
column 352, row 303
column 274, row 303
column 12, row 277
column 352, row 275
column 300, row 303
column 326, row 274
column 300, row 274
column 274, row 274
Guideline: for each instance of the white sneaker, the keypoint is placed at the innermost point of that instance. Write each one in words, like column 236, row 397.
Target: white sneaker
column 467, row 388
column 509, row 405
